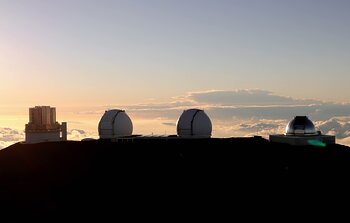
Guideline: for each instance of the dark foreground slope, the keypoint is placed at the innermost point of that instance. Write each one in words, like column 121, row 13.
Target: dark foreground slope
column 99, row 178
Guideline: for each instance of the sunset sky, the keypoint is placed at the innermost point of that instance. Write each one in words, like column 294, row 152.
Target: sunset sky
column 155, row 58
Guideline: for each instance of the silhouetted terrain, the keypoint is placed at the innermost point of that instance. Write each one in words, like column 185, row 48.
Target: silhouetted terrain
column 99, row 178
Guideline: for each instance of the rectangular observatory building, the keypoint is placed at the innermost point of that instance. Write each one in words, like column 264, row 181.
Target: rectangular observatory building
column 43, row 127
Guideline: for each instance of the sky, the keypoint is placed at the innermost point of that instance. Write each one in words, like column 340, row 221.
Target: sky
column 162, row 56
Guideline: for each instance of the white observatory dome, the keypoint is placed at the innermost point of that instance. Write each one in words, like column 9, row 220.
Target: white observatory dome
column 115, row 123
column 301, row 125
column 194, row 123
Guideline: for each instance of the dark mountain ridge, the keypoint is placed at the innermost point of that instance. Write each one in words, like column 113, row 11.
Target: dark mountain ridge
column 94, row 177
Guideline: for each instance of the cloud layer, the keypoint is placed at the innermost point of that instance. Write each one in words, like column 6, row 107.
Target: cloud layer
column 340, row 127
column 9, row 136
column 233, row 113
column 246, row 112
column 242, row 104
column 241, row 97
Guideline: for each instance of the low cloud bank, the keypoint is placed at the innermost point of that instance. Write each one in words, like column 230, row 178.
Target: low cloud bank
column 9, row 136
column 338, row 126
column 77, row 134
column 233, row 113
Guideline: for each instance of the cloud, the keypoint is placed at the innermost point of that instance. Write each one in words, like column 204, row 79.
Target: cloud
column 257, row 126
column 336, row 126
column 244, row 97
column 242, row 112
column 242, row 104
column 259, row 112
column 344, row 141
column 77, row 134
column 9, row 136
column 263, row 104
column 169, row 123
column 76, row 131
column 233, row 113
column 263, row 127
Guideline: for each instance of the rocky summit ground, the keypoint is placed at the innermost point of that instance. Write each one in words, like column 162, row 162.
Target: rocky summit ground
column 154, row 176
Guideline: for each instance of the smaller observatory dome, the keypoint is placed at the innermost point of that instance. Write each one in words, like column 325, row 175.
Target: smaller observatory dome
column 115, row 123
column 301, row 125
column 194, row 123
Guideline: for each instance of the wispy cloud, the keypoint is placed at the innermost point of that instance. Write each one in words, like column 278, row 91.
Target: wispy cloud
column 169, row 123
column 244, row 97
column 241, row 104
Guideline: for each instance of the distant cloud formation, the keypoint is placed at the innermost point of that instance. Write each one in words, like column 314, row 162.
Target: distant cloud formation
column 9, row 136
column 250, row 127
column 233, row 113
column 77, row 134
column 264, row 104
column 248, row 112
column 241, row 97
column 242, row 104
column 169, row 123
column 340, row 127
column 257, row 127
